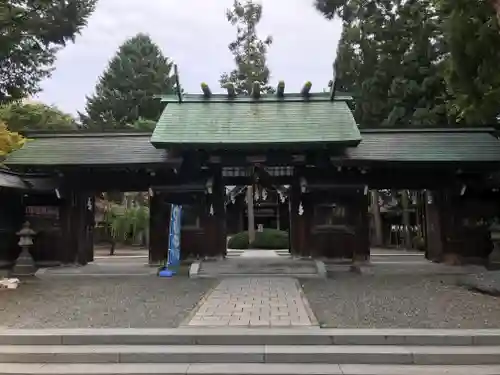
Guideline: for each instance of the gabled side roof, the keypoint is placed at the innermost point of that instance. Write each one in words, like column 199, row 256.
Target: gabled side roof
column 134, row 149
column 427, row 145
column 84, row 148
column 231, row 123
column 11, row 180
column 28, row 182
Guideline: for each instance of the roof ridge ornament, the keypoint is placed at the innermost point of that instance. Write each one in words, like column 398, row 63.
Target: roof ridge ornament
column 280, row 91
column 206, row 90
column 256, row 90
column 231, row 92
column 306, row 89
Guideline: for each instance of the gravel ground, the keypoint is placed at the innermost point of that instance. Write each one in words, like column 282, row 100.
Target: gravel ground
column 486, row 282
column 400, row 301
column 139, row 302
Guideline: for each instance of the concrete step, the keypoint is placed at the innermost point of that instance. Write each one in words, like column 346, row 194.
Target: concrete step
column 236, row 253
column 274, row 266
column 251, row 336
column 333, row 354
column 241, row 369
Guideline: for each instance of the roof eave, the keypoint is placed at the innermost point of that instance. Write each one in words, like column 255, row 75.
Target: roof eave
column 260, row 145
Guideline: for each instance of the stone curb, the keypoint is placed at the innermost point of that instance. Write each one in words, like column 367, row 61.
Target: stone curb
column 333, row 354
column 249, row 336
column 242, row 369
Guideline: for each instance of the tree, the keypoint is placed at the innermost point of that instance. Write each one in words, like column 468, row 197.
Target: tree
column 472, row 34
column 31, row 32
column 36, row 116
column 125, row 93
column 9, row 141
column 144, row 125
column 249, row 54
column 390, row 59
column 248, row 50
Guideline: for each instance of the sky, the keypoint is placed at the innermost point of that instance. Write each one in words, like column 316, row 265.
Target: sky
column 195, row 35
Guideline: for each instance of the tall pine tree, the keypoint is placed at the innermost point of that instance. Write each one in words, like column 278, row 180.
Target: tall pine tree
column 472, row 36
column 248, row 49
column 31, row 32
column 124, row 95
column 390, row 58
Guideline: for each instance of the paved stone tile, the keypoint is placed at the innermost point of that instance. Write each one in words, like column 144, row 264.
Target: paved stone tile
column 253, row 302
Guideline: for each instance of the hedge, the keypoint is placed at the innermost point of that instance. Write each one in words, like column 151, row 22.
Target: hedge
column 267, row 239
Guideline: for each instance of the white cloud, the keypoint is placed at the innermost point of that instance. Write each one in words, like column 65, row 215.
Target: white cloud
column 195, row 34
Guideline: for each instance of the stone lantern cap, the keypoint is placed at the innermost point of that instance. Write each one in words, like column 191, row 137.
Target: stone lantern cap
column 26, row 235
column 495, row 232
column 26, row 230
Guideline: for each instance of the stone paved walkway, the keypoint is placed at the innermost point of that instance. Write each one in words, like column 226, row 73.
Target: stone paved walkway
column 254, row 302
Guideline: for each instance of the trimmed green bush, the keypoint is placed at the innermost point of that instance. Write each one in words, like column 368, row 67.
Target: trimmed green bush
column 419, row 243
column 238, row 241
column 267, row 239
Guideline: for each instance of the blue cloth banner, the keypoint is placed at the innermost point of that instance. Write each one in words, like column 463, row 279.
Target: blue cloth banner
column 174, row 243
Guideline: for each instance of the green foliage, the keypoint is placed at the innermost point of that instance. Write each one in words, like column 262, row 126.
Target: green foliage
column 124, row 95
column 248, row 50
column 238, row 241
column 144, row 125
column 472, row 34
column 32, row 31
column 267, row 239
column 125, row 224
column 35, row 116
column 389, row 57
column 419, row 63
column 9, row 141
column 419, row 243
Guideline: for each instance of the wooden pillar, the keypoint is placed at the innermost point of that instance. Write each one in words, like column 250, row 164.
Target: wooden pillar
column 433, row 214
column 217, row 217
column 67, row 239
column 80, row 227
column 76, row 217
column 299, row 223
column 362, row 236
column 90, row 225
column 11, row 220
column 159, row 221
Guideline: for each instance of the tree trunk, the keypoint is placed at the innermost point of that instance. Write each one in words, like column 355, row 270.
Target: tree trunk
column 113, row 246
column 377, row 219
column 251, row 218
column 406, row 219
column 278, row 212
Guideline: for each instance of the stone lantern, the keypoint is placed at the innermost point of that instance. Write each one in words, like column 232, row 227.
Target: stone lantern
column 25, row 265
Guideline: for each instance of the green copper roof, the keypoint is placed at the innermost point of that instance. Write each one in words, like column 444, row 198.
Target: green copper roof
column 220, row 122
column 426, row 145
column 83, row 148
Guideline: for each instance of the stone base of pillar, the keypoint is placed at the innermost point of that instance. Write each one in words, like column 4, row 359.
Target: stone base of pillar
column 451, row 259
column 25, row 265
column 360, row 263
column 494, row 259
